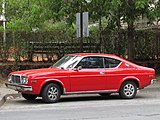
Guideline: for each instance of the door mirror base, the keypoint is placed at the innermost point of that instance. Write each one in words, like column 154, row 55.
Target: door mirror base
column 77, row 69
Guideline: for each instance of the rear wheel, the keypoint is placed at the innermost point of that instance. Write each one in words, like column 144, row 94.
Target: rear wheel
column 29, row 96
column 128, row 90
column 51, row 93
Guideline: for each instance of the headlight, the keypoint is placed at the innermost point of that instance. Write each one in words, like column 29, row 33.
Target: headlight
column 24, row 80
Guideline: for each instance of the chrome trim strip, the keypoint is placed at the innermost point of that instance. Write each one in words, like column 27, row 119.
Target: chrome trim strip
column 84, row 76
column 153, row 81
column 96, row 91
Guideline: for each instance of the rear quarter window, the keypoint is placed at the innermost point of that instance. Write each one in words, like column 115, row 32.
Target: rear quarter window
column 111, row 63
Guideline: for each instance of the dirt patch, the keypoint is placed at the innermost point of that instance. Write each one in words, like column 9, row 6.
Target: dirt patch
column 1, row 82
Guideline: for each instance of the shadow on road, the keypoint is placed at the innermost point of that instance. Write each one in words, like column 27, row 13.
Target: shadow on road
column 78, row 98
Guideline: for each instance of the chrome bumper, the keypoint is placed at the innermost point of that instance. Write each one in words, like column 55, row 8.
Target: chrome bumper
column 153, row 81
column 20, row 88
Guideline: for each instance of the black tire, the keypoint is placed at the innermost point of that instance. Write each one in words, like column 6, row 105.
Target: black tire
column 128, row 90
column 105, row 94
column 29, row 96
column 51, row 93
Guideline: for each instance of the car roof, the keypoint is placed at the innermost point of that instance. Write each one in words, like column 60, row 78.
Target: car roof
column 96, row 54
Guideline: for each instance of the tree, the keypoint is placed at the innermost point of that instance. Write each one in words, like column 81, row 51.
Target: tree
column 24, row 15
column 129, row 11
column 33, row 13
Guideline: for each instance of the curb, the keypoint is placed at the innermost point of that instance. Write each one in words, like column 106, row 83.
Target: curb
column 8, row 97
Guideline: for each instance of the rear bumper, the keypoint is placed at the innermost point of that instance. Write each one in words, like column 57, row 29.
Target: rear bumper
column 153, row 81
column 20, row 88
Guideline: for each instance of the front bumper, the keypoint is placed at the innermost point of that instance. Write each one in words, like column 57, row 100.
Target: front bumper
column 20, row 88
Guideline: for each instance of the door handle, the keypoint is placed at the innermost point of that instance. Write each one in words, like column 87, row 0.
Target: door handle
column 101, row 73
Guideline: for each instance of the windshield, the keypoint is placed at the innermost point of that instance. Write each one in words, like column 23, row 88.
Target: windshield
column 67, row 62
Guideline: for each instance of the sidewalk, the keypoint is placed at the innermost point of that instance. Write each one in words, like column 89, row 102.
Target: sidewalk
column 4, row 91
column 6, row 94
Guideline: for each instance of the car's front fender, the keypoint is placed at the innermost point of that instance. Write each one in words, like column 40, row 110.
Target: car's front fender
column 52, row 81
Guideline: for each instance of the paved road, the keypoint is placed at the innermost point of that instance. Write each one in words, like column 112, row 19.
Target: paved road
column 126, row 112
column 146, row 106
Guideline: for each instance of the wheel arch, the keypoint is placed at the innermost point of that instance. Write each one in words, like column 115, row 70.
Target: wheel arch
column 133, row 79
column 56, row 81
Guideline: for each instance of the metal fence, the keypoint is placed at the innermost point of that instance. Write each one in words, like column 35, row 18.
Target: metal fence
column 23, row 46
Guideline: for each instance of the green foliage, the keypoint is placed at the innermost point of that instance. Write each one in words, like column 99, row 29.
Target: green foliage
column 35, row 13
column 58, row 16
column 1, row 29
column 15, row 25
column 55, row 26
column 93, row 28
column 30, row 13
column 141, row 4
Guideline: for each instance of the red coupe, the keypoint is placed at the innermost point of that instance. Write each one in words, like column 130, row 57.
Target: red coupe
column 82, row 73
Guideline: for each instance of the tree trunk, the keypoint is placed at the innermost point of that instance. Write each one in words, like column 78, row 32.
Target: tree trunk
column 131, row 19
column 100, row 35
column 131, row 41
column 119, row 46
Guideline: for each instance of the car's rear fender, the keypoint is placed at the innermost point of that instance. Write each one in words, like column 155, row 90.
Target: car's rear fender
column 130, row 78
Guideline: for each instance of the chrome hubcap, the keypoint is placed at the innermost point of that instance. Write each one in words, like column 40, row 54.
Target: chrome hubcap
column 53, row 93
column 129, row 90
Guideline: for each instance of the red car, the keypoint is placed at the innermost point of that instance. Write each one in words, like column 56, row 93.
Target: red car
column 82, row 73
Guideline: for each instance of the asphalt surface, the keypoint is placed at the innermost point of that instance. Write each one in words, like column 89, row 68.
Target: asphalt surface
column 146, row 106
column 125, row 112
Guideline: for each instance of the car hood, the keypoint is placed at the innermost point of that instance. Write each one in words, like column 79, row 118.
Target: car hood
column 40, row 72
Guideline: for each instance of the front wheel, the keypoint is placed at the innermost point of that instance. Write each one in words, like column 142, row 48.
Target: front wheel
column 29, row 96
column 51, row 93
column 128, row 90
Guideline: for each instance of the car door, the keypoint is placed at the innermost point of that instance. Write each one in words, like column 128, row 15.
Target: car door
column 113, row 73
column 89, row 75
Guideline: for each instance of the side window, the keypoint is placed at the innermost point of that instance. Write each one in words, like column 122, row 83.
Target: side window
column 111, row 63
column 91, row 63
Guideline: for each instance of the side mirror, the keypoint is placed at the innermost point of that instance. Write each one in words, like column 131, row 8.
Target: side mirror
column 51, row 66
column 77, row 69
